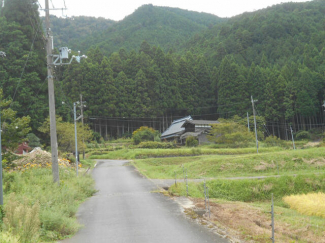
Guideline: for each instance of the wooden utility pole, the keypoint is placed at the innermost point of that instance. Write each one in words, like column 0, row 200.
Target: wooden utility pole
column 54, row 143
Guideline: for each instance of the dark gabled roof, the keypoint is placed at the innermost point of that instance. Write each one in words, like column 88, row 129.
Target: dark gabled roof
column 175, row 129
column 200, row 122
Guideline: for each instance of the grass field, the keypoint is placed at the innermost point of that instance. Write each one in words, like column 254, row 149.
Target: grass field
column 128, row 153
column 266, row 163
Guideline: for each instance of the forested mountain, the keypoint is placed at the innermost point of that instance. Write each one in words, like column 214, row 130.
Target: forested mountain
column 70, row 31
column 282, row 33
column 275, row 55
column 160, row 26
column 163, row 62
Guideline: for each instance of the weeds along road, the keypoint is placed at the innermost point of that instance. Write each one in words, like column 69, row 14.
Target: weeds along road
column 125, row 210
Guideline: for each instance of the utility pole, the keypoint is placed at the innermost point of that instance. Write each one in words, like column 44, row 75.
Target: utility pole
column 1, row 189
column 248, row 122
column 82, row 120
column 54, row 143
column 75, row 134
column 254, row 122
column 293, row 141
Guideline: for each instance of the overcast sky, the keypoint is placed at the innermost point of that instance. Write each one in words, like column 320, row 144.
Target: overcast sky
column 118, row 9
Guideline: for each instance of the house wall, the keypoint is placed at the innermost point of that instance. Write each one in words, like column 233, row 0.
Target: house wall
column 203, row 138
column 189, row 127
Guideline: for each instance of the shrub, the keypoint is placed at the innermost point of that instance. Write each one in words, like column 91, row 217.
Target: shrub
column 231, row 133
column 302, row 135
column 273, row 141
column 144, row 134
column 191, row 142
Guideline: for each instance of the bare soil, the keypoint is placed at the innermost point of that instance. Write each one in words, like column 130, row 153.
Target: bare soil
column 242, row 222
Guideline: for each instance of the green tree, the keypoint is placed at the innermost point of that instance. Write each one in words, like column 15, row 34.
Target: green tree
column 66, row 134
column 144, row 134
column 33, row 140
column 230, row 133
column 14, row 129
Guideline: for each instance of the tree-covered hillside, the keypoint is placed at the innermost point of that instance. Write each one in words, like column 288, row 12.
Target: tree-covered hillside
column 70, row 31
column 283, row 33
column 23, row 70
column 276, row 55
column 160, row 26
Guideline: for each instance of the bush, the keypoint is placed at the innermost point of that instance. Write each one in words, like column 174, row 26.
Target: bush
column 156, row 145
column 273, row 141
column 191, row 142
column 231, row 133
column 302, row 135
column 144, row 134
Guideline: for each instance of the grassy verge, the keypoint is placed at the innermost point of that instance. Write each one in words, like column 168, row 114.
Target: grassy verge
column 289, row 162
column 33, row 203
column 254, row 190
column 154, row 153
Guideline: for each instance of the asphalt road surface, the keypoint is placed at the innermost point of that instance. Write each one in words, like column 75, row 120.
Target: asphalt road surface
column 126, row 210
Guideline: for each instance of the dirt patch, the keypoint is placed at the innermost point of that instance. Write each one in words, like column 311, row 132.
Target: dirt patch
column 264, row 166
column 250, row 224
column 319, row 162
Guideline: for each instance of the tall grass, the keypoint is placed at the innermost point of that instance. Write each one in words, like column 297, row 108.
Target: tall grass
column 57, row 204
column 308, row 204
column 22, row 220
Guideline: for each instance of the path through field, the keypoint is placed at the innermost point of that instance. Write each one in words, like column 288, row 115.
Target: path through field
column 126, row 210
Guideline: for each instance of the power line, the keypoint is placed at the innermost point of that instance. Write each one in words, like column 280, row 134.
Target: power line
column 52, row 4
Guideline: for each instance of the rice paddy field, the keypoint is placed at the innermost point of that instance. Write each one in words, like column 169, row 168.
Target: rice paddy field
column 240, row 203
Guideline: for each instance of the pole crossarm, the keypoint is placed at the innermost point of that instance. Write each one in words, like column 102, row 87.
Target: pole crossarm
column 48, row 9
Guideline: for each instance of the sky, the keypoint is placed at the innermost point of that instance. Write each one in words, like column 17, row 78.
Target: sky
column 118, row 9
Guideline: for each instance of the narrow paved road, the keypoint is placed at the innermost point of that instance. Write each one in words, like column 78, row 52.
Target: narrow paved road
column 124, row 210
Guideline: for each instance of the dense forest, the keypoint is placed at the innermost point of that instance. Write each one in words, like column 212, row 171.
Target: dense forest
column 166, row 27
column 160, row 64
column 71, row 31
